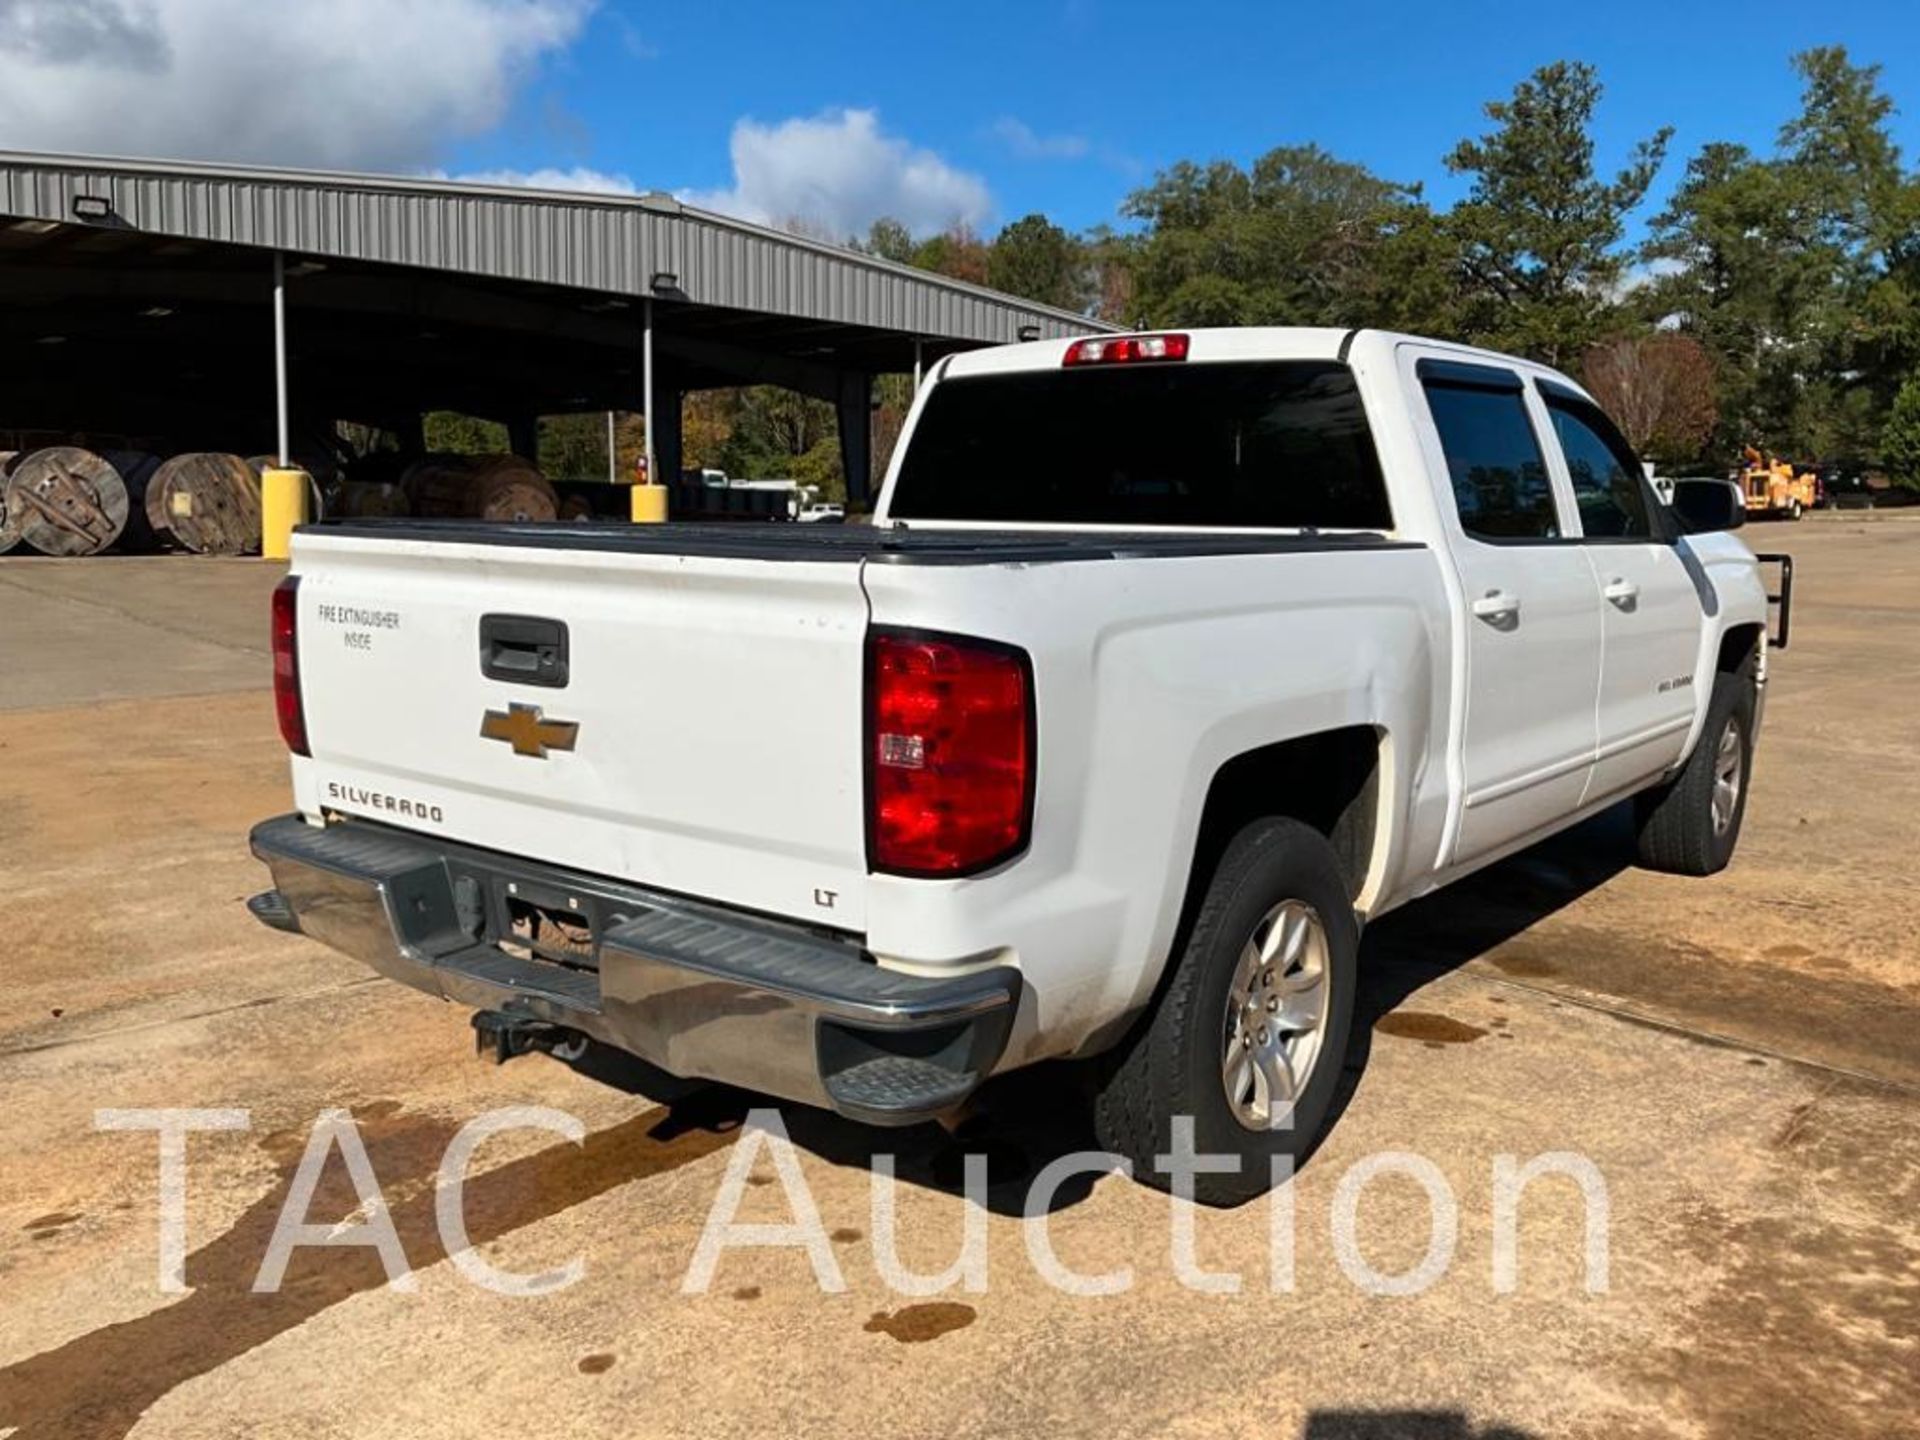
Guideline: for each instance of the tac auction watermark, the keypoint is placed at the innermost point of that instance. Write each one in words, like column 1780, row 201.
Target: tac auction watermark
column 763, row 1137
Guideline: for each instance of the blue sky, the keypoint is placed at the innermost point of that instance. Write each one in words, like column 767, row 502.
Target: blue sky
column 1111, row 91
column 831, row 112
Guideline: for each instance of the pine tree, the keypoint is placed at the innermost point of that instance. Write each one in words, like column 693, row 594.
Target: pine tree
column 1900, row 442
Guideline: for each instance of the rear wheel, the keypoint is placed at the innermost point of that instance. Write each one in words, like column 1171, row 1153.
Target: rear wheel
column 1690, row 825
column 1793, row 509
column 1249, row 1035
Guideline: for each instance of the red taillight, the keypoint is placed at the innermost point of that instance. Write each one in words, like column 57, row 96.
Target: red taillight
column 286, row 666
column 1125, row 349
column 949, row 753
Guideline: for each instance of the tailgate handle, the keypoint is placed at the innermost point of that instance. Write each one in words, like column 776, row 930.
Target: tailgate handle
column 524, row 649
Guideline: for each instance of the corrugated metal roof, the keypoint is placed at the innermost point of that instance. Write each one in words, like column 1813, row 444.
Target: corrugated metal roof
column 611, row 243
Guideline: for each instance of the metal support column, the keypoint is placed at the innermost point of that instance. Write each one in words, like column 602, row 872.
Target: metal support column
column 646, row 384
column 280, row 354
column 283, row 490
column 916, row 366
column 647, row 504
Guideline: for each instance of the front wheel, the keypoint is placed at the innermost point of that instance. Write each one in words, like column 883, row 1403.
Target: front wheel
column 1793, row 509
column 1250, row 1032
column 1690, row 825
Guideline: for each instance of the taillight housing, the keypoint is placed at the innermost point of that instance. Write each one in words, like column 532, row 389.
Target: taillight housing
column 287, row 705
column 950, row 753
column 1126, row 349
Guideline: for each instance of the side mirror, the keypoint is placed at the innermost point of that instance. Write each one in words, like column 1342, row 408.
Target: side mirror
column 1704, row 505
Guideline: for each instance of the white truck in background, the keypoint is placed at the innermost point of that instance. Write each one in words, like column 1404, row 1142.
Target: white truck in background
column 1167, row 662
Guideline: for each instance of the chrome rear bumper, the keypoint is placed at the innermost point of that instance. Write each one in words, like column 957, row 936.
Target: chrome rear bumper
column 699, row 990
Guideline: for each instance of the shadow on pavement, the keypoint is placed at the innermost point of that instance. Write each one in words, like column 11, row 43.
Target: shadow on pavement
column 1029, row 1118
column 1403, row 1425
column 1026, row 1120
column 1419, row 943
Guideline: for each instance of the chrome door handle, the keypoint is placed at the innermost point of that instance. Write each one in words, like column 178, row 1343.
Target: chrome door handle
column 1497, row 606
column 1621, row 591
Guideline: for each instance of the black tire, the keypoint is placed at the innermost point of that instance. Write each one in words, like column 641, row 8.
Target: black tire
column 1171, row 1064
column 1678, row 832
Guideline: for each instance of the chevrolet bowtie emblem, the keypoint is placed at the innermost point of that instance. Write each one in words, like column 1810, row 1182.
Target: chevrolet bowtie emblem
column 524, row 728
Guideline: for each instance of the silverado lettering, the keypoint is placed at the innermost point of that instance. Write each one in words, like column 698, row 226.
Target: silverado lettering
column 374, row 800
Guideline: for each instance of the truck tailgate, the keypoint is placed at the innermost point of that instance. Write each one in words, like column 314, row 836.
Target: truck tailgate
column 717, row 700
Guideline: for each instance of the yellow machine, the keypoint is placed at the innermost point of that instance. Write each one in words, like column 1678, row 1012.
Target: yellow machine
column 1774, row 488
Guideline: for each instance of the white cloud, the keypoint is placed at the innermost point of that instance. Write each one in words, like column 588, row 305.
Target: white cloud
column 353, row 84
column 580, row 177
column 837, row 173
column 1019, row 137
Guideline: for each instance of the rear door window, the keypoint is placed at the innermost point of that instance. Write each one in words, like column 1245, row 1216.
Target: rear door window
column 1268, row 445
column 1494, row 461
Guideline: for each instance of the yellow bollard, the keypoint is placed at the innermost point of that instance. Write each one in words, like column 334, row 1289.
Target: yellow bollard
column 649, row 504
column 283, row 505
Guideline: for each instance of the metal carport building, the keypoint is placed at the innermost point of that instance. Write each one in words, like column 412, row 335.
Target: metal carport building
column 136, row 296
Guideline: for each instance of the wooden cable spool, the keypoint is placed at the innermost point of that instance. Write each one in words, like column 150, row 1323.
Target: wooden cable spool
column 67, row 501
column 209, row 502
column 9, row 533
column 505, row 487
column 373, row 500
column 487, row 487
column 437, row 485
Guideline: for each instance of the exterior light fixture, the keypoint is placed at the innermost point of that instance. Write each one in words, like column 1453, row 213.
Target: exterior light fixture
column 92, row 207
column 1028, row 332
column 665, row 282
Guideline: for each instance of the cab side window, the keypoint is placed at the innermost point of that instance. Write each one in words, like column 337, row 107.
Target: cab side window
column 1494, row 460
column 1606, row 478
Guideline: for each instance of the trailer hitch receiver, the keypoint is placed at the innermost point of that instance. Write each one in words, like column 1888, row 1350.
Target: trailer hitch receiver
column 499, row 1035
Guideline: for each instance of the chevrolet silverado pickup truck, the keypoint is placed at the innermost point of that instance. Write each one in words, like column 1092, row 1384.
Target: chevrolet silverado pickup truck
column 1166, row 663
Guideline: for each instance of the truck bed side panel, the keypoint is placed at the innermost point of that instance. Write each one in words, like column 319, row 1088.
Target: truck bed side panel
column 1151, row 674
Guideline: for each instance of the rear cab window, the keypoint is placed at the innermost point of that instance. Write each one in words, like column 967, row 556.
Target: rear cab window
column 1279, row 444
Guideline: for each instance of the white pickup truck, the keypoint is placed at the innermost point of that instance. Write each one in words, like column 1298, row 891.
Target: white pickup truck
column 1166, row 663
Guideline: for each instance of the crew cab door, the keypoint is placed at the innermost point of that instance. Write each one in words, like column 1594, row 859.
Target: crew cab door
column 1650, row 606
column 1533, row 626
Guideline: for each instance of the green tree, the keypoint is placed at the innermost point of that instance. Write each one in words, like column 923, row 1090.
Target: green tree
column 957, row 252
column 1800, row 272
column 574, row 447
column 888, row 239
column 449, row 432
column 1539, row 234
column 1738, row 264
column 1037, row 260
column 1841, row 152
column 1900, row 442
column 1301, row 238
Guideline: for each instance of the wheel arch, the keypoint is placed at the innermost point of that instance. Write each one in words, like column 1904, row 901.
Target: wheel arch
column 1331, row 780
column 1740, row 643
